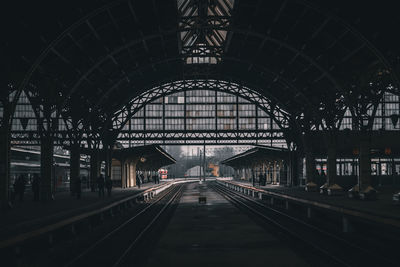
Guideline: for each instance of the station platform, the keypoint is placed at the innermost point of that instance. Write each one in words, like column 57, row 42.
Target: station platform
column 29, row 215
column 217, row 234
column 382, row 207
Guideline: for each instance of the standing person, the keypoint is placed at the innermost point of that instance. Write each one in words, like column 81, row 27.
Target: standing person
column 109, row 186
column 100, row 184
column 15, row 190
column 87, row 182
column 78, row 184
column 138, row 182
column 35, row 187
column 83, row 181
column 155, row 178
column 92, row 183
column 21, row 182
column 261, row 179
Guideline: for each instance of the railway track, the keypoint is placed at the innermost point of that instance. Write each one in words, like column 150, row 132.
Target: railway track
column 116, row 247
column 336, row 250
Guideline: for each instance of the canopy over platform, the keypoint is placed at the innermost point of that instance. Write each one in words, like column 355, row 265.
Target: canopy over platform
column 151, row 157
column 255, row 156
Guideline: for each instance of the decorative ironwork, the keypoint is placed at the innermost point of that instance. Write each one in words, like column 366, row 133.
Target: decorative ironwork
column 203, row 29
column 202, row 110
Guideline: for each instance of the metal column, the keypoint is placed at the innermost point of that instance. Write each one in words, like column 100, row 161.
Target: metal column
column 74, row 166
column 331, row 164
column 365, row 164
column 46, row 166
column 4, row 166
column 330, row 186
column 5, row 156
column 310, row 171
column 94, row 169
column 204, row 162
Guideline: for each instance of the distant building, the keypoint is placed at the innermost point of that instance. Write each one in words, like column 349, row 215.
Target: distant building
column 195, row 171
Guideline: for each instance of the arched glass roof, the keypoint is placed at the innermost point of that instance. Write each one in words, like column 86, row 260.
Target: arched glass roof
column 201, row 116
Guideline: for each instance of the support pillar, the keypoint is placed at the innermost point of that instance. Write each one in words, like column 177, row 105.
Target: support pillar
column 330, row 187
column 124, row 173
column 132, row 173
column 253, row 178
column 365, row 164
column 94, row 169
column 364, row 188
column 274, row 181
column 282, row 174
column 204, row 162
column 74, row 167
column 311, row 186
column 293, row 168
column 4, row 167
column 5, row 154
column 46, row 166
column 279, row 165
column 108, row 162
column 249, row 174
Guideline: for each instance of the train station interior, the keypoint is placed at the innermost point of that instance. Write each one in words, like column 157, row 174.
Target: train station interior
column 199, row 133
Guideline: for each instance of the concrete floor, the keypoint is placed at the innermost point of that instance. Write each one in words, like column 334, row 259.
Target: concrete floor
column 217, row 234
column 383, row 206
column 29, row 215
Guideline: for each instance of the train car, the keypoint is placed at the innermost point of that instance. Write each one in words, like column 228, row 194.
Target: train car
column 27, row 162
column 163, row 173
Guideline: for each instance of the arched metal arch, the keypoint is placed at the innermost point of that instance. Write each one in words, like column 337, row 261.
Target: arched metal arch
column 264, row 95
column 276, row 78
column 92, row 14
column 173, row 32
column 359, row 35
column 122, row 117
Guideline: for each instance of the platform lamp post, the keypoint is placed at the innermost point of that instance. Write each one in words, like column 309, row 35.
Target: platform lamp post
column 253, row 178
column 200, row 163
column 395, row 118
column 205, row 163
column 55, row 165
column 364, row 189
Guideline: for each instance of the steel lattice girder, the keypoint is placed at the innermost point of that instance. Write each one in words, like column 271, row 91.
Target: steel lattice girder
column 326, row 21
column 307, row 62
column 121, row 117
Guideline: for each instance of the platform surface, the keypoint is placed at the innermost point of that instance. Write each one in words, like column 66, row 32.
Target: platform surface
column 383, row 206
column 217, row 234
column 29, row 215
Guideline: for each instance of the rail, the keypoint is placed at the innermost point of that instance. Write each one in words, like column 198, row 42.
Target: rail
column 344, row 211
column 48, row 229
column 88, row 255
column 342, row 251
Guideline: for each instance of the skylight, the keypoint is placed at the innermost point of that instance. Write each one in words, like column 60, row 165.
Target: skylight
column 203, row 25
